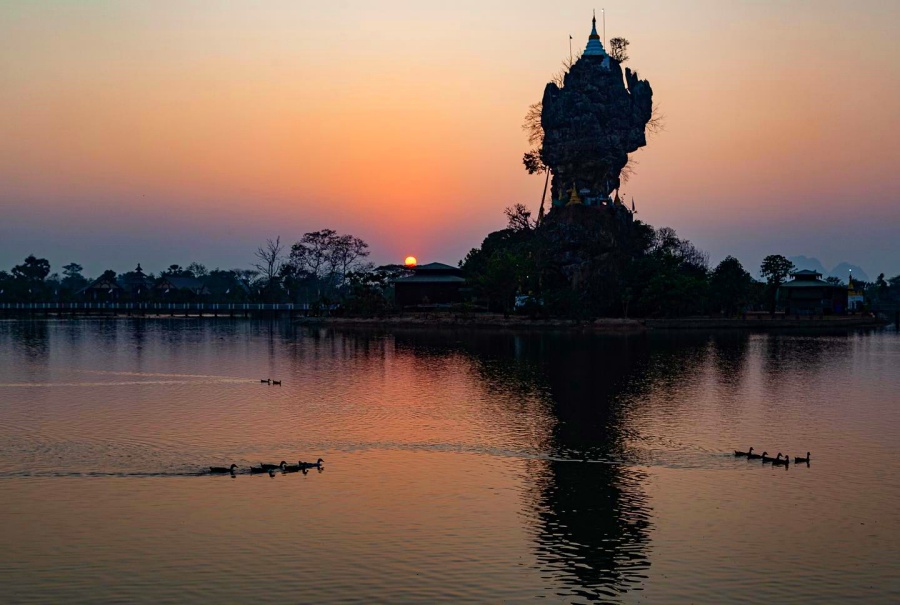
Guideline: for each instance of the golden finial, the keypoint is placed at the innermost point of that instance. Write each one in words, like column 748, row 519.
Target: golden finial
column 574, row 199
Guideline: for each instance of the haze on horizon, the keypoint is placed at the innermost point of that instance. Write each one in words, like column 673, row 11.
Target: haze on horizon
column 162, row 132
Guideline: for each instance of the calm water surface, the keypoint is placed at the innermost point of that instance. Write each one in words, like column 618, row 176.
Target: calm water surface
column 460, row 467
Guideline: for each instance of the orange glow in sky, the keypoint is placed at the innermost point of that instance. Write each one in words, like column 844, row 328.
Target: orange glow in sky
column 168, row 133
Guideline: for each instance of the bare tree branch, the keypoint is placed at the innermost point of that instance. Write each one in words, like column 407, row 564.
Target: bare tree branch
column 519, row 218
column 559, row 78
column 657, row 122
column 532, row 124
column 628, row 170
column 271, row 259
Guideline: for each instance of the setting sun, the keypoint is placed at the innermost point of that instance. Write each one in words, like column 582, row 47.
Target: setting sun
column 410, row 261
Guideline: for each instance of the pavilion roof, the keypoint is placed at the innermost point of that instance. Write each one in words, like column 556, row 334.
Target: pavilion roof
column 437, row 267
column 808, row 283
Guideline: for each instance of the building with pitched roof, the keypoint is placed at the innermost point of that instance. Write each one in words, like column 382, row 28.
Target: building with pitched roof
column 808, row 294
column 431, row 284
column 184, row 287
column 102, row 289
column 136, row 284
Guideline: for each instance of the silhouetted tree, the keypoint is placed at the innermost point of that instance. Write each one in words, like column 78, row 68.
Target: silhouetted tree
column 271, row 257
column 618, row 48
column 176, row 271
column 532, row 125
column 881, row 286
column 326, row 258
column 347, row 253
column 226, row 285
column 729, row 286
column 72, row 270
column 311, row 255
column 366, row 296
column 669, row 277
column 775, row 269
column 33, row 269
column 518, row 218
column 197, row 270
column 73, row 280
column 533, row 163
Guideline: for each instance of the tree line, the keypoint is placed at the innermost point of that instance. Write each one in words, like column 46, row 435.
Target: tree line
column 654, row 273
column 321, row 267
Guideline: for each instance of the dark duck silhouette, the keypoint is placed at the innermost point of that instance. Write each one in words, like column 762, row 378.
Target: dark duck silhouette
column 799, row 459
column 290, row 468
column 769, row 458
column 272, row 467
column 276, row 382
column 782, row 461
column 316, row 464
column 752, row 456
column 266, row 380
column 257, row 471
column 217, row 470
column 738, row 454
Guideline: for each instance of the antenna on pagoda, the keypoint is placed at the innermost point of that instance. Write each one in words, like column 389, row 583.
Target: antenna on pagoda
column 603, row 13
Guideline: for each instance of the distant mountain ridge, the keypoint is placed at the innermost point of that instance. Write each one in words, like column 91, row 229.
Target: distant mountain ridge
column 841, row 270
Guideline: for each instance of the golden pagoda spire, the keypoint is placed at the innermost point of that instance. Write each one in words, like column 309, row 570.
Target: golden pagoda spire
column 573, row 198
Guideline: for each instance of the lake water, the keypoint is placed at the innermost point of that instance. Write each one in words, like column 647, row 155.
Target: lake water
column 459, row 466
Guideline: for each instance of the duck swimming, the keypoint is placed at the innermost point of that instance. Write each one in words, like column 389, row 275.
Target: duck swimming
column 783, row 461
column 294, row 469
column 272, row 467
column 799, row 459
column 770, row 459
column 738, row 454
column 316, row 464
column 222, row 469
column 752, row 456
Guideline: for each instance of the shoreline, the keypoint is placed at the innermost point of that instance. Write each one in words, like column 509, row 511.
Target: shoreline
column 603, row 325
column 514, row 323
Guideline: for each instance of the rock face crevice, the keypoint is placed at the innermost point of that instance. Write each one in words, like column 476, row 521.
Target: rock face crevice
column 592, row 123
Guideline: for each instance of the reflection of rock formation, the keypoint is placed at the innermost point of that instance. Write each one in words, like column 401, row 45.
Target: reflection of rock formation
column 593, row 122
column 592, row 525
column 590, row 521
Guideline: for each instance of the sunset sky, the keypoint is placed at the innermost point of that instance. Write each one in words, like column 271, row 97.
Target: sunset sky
column 171, row 132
